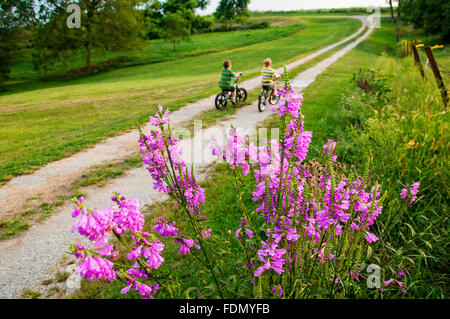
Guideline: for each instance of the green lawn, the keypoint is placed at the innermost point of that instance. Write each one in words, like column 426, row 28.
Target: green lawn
column 42, row 121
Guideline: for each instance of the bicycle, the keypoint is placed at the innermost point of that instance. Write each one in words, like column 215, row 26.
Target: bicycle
column 223, row 97
column 267, row 94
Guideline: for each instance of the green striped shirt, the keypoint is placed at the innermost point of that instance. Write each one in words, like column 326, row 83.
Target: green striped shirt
column 267, row 76
column 226, row 78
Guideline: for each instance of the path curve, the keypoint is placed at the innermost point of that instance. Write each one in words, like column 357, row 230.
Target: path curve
column 30, row 258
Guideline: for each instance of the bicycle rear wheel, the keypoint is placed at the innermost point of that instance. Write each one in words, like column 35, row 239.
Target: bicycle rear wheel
column 274, row 99
column 221, row 101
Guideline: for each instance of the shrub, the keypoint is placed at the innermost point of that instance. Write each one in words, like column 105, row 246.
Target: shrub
column 409, row 135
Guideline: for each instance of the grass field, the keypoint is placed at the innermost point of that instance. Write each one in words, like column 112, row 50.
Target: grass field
column 42, row 121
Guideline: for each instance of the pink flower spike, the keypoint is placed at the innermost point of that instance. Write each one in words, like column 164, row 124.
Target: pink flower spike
column 388, row 282
column 330, row 147
column 371, row 238
column 125, row 290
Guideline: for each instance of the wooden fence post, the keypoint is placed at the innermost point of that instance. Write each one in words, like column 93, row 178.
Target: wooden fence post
column 437, row 75
column 417, row 60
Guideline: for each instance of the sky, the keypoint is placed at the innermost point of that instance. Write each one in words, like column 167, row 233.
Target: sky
column 284, row 5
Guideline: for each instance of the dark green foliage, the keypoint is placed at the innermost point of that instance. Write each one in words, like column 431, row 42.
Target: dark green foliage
column 15, row 16
column 224, row 27
column 372, row 82
column 232, row 10
column 431, row 15
column 160, row 16
column 175, row 28
column 108, row 25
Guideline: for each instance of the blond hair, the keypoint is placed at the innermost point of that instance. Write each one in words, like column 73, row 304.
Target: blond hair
column 268, row 62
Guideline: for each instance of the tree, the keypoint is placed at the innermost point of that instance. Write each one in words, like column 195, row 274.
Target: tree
column 391, row 9
column 431, row 15
column 186, row 9
column 153, row 15
column 15, row 17
column 398, row 20
column 175, row 28
column 105, row 24
column 232, row 10
column 155, row 12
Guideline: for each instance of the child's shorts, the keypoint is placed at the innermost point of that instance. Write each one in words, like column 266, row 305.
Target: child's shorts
column 231, row 88
column 269, row 87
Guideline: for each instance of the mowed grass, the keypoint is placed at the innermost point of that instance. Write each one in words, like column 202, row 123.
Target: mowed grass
column 42, row 121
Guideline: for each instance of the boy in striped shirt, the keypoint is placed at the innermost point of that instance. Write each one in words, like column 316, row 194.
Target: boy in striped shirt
column 227, row 77
column 269, row 76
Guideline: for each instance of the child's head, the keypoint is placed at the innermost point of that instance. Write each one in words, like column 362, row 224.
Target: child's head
column 267, row 62
column 227, row 64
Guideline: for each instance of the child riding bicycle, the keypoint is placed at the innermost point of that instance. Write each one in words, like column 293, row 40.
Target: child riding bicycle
column 269, row 76
column 226, row 78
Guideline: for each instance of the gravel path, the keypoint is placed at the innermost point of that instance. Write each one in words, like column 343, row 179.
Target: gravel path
column 32, row 257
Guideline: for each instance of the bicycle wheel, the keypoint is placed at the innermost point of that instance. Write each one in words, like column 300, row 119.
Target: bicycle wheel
column 274, row 99
column 262, row 102
column 241, row 95
column 221, row 101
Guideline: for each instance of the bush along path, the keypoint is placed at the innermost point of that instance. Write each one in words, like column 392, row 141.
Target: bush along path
column 29, row 259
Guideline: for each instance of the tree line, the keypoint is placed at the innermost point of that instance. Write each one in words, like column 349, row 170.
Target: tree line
column 105, row 24
column 123, row 24
column 433, row 16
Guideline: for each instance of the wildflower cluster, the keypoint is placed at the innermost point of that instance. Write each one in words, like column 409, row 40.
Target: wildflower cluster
column 409, row 193
column 309, row 233
column 397, row 281
column 162, row 156
column 163, row 159
column 101, row 260
column 311, row 221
